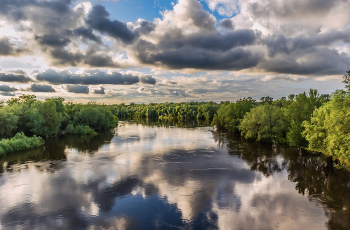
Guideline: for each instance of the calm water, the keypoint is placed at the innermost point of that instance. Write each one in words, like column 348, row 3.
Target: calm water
column 153, row 176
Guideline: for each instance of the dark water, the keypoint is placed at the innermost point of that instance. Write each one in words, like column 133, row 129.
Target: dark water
column 151, row 176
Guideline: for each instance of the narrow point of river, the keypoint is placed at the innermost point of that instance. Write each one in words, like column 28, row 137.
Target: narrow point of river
column 156, row 176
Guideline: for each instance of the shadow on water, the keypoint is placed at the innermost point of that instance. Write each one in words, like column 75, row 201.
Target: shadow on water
column 314, row 174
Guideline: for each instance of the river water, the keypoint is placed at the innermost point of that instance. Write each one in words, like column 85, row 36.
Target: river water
column 148, row 175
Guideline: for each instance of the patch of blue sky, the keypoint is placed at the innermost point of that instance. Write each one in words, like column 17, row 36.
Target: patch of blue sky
column 132, row 10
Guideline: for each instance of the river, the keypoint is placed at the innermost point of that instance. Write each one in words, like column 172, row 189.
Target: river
column 150, row 175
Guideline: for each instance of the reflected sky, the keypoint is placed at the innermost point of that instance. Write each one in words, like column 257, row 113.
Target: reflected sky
column 155, row 177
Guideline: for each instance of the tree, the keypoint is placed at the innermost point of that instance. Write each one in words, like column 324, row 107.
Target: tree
column 266, row 100
column 347, row 80
column 263, row 123
column 8, row 124
column 301, row 110
column 328, row 129
column 44, row 120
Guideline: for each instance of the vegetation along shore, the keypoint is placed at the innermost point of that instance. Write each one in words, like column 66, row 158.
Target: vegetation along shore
column 309, row 120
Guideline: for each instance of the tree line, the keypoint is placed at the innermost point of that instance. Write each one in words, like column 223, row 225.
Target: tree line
column 317, row 122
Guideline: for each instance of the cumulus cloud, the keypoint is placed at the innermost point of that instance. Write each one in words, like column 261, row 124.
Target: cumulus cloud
column 96, row 77
column 77, row 89
column 227, row 23
column 87, row 33
column 18, row 76
column 6, row 88
column 99, row 91
column 289, row 40
column 98, row 20
column 41, row 88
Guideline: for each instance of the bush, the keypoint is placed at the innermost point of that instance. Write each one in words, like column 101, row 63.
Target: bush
column 80, row 130
column 19, row 142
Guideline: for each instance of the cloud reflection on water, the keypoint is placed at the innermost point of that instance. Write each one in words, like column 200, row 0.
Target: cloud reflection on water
column 154, row 177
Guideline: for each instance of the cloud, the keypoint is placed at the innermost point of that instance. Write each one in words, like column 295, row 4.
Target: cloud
column 6, row 47
column 6, row 88
column 41, row 88
column 7, row 94
column 147, row 80
column 99, row 91
column 18, row 76
column 227, row 23
column 53, row 40
column 224, row 7
column 77, row 89
column 281, row 78
column 93, row 78
column 87, row 33
column 237, row 59
column 98, row 20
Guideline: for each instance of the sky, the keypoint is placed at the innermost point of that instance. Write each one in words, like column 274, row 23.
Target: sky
column 115, row 51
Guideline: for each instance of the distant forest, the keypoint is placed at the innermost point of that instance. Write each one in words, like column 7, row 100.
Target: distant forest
column 317, row 122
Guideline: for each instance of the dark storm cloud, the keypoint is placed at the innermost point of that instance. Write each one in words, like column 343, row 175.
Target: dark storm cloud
column 41, row 88
column 284, row 53
column 99, row 91
column 93, row 78
column 227, row 23
column 320, row 62
column 64, row 57
column 98, row 20
column 280, row 44
column 77, row 89
column 87, row 33
column 235, row 59
column 6, row 88
column 214, row 41
column 148, row 80
column 145, row 27
column 202, row 51
column 6, row 47
column 20, row 77
column 14, row 9
column 52, row 40
column 100, row 60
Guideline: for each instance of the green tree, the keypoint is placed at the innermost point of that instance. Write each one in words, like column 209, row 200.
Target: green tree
column 43, row 118
column 329, row 127
column 301, row 110
column 8, row 123
column 263, row 123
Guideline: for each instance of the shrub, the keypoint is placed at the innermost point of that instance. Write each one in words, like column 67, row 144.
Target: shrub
column 80, row 130
column 19, row 142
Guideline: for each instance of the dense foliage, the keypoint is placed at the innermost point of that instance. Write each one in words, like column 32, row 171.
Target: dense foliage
column 19, row 142
column 167, row 111
column 317, row 122
column 46, row 118
column 328, row 131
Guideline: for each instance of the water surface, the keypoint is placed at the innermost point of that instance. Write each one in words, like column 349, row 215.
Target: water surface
column 173, row 176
